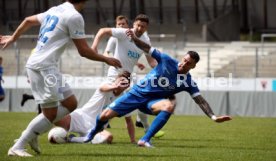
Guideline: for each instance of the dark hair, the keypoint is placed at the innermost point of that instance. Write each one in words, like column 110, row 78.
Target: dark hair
column 76, row 1
column 143, row 18
column 194, row 55
column 121, row 17
column 125, row 74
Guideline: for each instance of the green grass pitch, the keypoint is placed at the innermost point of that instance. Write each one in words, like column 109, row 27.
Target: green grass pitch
column 187, row 138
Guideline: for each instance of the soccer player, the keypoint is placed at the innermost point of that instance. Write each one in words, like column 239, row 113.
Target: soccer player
column 149, row 95
column 57, row 26
column 2, row 92
column 82, row 119
column 125, row 50
column 122, row 22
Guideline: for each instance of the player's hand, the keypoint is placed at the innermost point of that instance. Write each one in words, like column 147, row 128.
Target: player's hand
column 222, row 118
column 123, row 83
column 5, row 41
column 130, row 34
column 113, row 62
column 141, row 66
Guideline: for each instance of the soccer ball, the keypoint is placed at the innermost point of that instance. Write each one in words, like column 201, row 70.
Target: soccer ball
column 57, row 135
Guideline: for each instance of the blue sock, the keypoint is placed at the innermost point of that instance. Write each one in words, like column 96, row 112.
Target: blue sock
column 99, row 127
column 159, row 121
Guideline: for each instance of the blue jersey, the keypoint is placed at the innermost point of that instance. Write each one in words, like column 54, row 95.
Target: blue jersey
column 164, row 80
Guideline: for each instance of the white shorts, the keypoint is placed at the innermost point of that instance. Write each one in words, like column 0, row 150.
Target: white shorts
column 81, row 122
column 48, row 86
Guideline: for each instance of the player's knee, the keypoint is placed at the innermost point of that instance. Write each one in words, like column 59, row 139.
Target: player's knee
column 107, row 114
column 70, row 103
column 104, row 116
column 169, row 107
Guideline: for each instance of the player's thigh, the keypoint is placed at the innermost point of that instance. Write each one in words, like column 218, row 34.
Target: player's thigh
column 126, row 104
column 161, row 105
column 81, row 123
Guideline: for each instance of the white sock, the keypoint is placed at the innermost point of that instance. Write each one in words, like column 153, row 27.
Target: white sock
column 144, row 119
column 77, row 139
column 39, row 125
column 61, row 112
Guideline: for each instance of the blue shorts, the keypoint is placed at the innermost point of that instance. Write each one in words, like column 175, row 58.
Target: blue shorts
column 130, row 102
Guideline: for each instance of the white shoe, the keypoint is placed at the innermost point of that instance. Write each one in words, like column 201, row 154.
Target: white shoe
column 34, row 145
column 146, row 144
column 18, row 152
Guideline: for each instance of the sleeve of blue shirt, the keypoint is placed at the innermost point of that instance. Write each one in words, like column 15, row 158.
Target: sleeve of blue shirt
column 192, row 87
column 156, row 54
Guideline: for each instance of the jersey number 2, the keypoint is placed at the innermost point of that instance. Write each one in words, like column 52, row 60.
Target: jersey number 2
column 49, row 24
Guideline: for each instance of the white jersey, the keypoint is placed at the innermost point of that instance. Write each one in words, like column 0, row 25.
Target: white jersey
column 58, row 25
column 126, row 51
column 111, row 45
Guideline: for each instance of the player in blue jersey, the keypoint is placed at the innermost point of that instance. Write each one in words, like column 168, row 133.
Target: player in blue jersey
column 150, row 94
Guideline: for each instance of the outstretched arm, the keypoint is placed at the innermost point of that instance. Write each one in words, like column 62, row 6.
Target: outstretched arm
column 100, row 34
column 85, row 51
column 28, row 22
column 204, row 105
column 142, row 45
column 114, row 86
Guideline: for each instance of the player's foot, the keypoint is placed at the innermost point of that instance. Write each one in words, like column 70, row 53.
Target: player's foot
column 69, row 137
column 159, row 134
column 25, row 97
column 139, row 124
column 18, row 152
column 146, row 144
column 34, row 145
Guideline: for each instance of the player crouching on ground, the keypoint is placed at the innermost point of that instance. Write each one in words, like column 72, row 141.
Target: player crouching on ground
column 83, row 119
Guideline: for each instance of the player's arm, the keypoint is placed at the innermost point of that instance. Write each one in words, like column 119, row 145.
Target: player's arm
column 204, row 105
column 139, row 43
column 25, row 25
column 140, row 66
column 114, row 86
column 100, row 34
column 152, row 62
column 108, row 87
column 85, row 51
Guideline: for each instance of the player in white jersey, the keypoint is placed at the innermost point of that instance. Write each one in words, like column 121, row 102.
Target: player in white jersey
column 122, row 22
column 82, row 119
column 127, row 52
column 57, row 26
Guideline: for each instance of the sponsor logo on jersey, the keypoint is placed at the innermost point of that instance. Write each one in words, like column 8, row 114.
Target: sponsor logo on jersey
column 133, row 54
